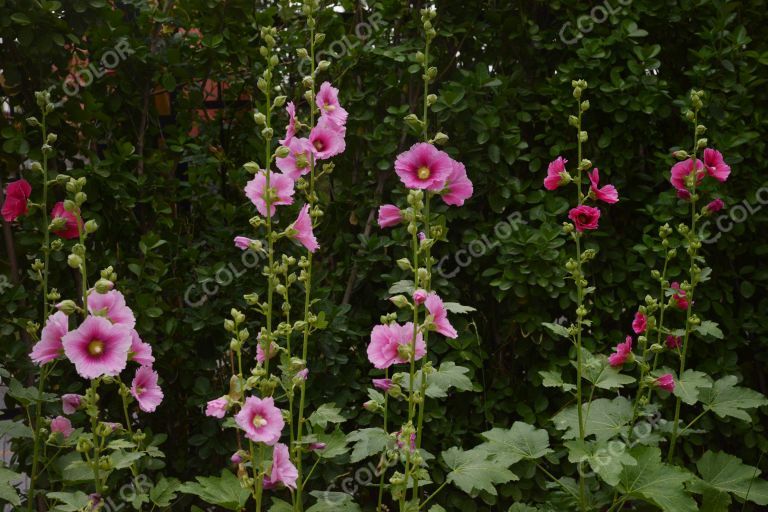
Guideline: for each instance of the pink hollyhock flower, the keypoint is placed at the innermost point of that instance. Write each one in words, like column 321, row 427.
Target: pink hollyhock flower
column 584, row 217
column 317, row 446
column 640, row 323
column 401, row 442
column 145, row 390
column 422, row 236
column 298, row 162
column 72, row 226
column 281, row 185
column 70, row 403
column 382, row 384
column 16, row 197
column 607, row 194
column 673, row 342
column 556, row 174
column 302, row 230
column 419, row 296
column 715, row 206
column 424, row 167
column 111, row 305
column 303, row 374
column 384, row 350
column 290, row 129
column 389, row 215
column 273, row 350
column 328, row 102
column 458, row 187
column 436, row 308
column 217, row 408
column 283, row 471
column 243, row 243
column 236, row 458
column 98, row 347
column 49, row 347
column 62, row 425
column 622, row 353
column 715, row 165
column 327, row 139
column 666, row 382
column 679, row 296
column 261, row 420
column 681, row 170
column 140, row 352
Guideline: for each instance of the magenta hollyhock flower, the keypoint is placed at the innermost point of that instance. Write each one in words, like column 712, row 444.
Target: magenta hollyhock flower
column 622, row 353
column 584, row 217
column 283, row 471
column 458, row 187
column 145, row 389
column 673, row 342
column 140, row 352
column 389, row 215
column 419, row 296
column 328, row 102
column 16, row 198
column 281, row 185
column 302, row 230
column 217, row 408
column 49, row 347
column 70, row 402
column 607, row 194
column 666, row 382
column 98, row 347
column 72, row 224
column 679, row 296
column 436, row 308
column 327, row 139
column 112, row 306
column 236, row 458
column 383, row 384
column 640, row 323
column 424, row 167
column 261, row 420
column 290, row 129
column 715, row 205
column 680, row 171
column 556, row 174
column 243, row 243
column 62, row 425
column 384, row 350
column 715, row 165
column 273, row 350
column 298, row 162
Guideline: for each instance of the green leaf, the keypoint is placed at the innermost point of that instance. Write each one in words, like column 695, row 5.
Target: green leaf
column 163, row 493
column 367, row 442
column 335, row 444
column 69, row 501
column 28, row 395
column 14, row 429
column 8, row 492
column 727, row 399
column 459, row 309
column 279, row 505
column 599, row 372
column 709, row 328
column 448, row 376
column 606, row 418
column 688, row 386
column 557, row 329
column 655, row 482
column 474, row 471
column 328, row 501
column 605, row 458
column 724, row 473
column 122, row 459
column 325, row 414
column 554, row 379
column 521, row 441
column 404, row 287
column 224, row 491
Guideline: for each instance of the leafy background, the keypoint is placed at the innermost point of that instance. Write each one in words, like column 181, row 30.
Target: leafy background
column 165, row 184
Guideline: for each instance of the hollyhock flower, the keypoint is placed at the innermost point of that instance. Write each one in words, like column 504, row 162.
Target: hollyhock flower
column 243, row 243
column 236, row 458
column 715, row 165
column 261, row 420
column 49, row 347
column 681, row 170
column 16, row 197
column 140, row 352
column 584, row 217
column 70, row 402
column 290, row 129
column 458, row 187
column 640, row 323
column 422, row 236
column 72, row 224
column 98, row 347
column 424, row 167
column 401, row 442
column 298, row 162
column 607, row 194
column 389, row 215
column 327, row 139
column 666, row 382
column 303, row 374
column 328, row 102
column 383, row 384
column 145, row 390
column 673, row 342
column 113, row 427
column 622, row 353
column 283, row 471
column 436, row 308
column 679, row 296
column 556, row 174
column 217, row 408
column 281, row 185
column 715, row 206
column 62, row 425
column 419, row 296
column 273, row 350
column 384, row 350
column 301, row 230
column 111, row 305
column 317, row 446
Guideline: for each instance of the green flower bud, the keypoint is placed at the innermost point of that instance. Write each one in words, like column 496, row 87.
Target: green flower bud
column 74, row 261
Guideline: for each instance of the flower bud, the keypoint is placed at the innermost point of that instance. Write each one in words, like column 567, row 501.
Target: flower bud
column 440, row 139
column 400, row 301
column 91, row 226
column 323, row 65
column 32, row 121
column 404, row 264
column 74, row 261
column 282, row 152
column 67, row 307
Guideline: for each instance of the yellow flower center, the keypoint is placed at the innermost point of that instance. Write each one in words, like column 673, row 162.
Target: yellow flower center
column 95, row 347
column 318, row 145
column 329, row 108
column 423, row 172
column 258, row 421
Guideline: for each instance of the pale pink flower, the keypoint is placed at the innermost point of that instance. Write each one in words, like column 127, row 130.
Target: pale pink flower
column 715, row 165
column 715, row 206
column 72, row 226
column 111, row 305
column 49, row 347
column 388, row 342
column 606, row 194
column 281, row 185
column 389, row 215
column 16, row 198
column 261, row 420
column 681, row 170
column 140, row 352
column 62, row 425
column 327, row 139
column 301, row 230
column 556, row 174
column 299, row 160
column 243, row 243
column 419, row 296
column 283, row 471
column 622, row 353
column 424, row 167
column 328, row 102
column 436, row 308
column 70, row 402
column 584, row 217
column 217, row 408
column 303, row 374
column 666, row 382
column 290, row 129
column 98, row 347
column 383, row 384
column 458, row 187
column 145, row 389
column 273, row 350
column 640, row 323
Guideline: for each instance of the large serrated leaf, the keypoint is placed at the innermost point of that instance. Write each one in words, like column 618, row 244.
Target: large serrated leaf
column 474, row 471
column 725, row 398
column 655, row 482
column 724, row 473
column 521, row 441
